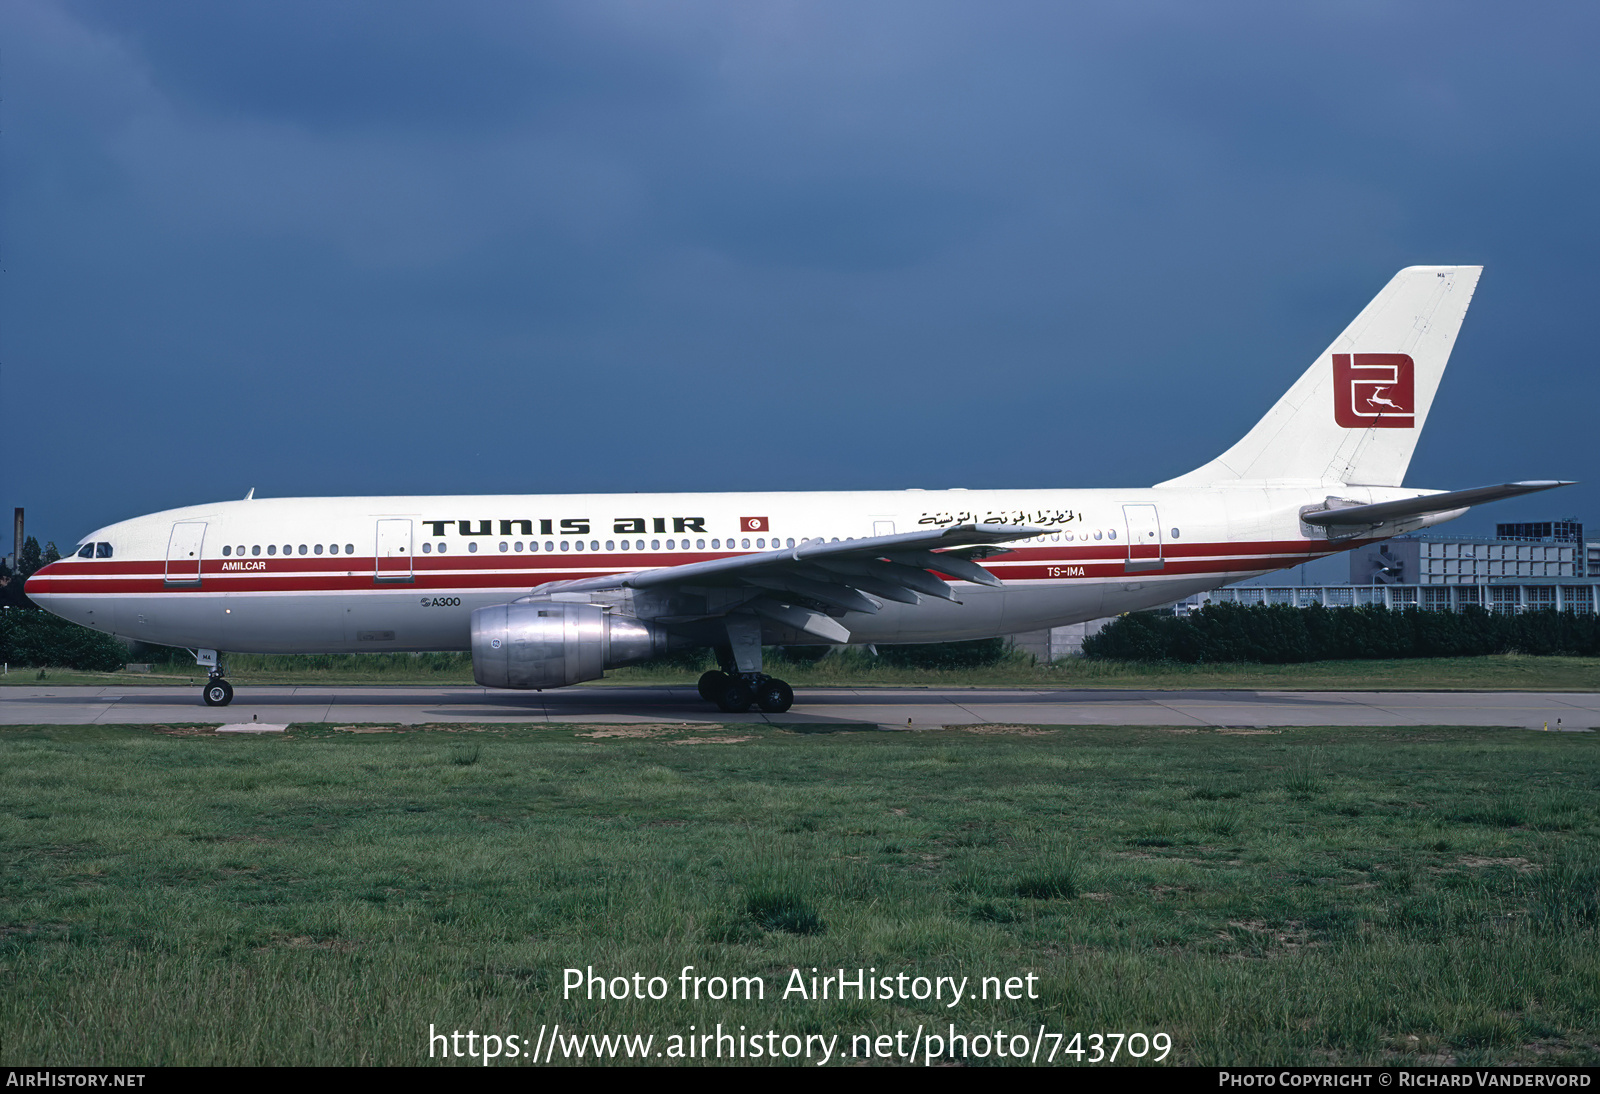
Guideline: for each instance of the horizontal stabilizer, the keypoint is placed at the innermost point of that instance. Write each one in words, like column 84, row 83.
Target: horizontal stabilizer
column 1343, row 516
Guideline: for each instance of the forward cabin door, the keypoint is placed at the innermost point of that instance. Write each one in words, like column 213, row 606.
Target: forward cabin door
column 183, row 552
column 1144, row 538
column 394, row 551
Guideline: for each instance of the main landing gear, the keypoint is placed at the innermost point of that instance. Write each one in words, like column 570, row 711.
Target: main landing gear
column 734, row 692
column 740, row 680
column 217, row 692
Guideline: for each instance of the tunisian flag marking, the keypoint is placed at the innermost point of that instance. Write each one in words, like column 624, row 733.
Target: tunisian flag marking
column 752, row 524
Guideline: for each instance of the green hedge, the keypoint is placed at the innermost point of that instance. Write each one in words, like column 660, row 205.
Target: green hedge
column 945, row 655
column 30, row 636
column 1280, row 634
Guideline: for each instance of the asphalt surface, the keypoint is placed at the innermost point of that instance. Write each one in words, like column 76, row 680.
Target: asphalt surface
column 890, row 708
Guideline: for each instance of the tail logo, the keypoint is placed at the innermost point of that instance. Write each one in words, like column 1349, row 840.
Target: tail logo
column 1374, row 390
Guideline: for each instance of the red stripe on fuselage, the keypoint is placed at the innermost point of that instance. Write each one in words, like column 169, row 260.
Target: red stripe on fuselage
column 521, row 572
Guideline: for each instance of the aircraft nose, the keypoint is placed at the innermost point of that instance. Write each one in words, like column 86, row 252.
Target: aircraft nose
column 36, row 582
column 37, row 585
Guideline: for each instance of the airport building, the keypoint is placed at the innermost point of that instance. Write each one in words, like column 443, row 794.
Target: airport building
column 1523, row 568
column 1552, row 549
column 1572, row 595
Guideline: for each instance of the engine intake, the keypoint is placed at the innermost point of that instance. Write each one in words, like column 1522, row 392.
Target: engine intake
column 550, row 644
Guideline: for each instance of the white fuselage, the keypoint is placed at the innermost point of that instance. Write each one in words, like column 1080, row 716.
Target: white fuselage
column 304, row 575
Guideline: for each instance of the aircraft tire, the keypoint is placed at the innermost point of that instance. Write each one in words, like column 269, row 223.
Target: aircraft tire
column 218, row 693
column 775, row 697
column 712, row 685
column 736, row 697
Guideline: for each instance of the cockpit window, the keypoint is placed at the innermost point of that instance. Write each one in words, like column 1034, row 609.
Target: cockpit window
column 102, row 550
column 86, row 551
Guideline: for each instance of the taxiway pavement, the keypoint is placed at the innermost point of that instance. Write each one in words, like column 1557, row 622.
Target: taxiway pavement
column 890, row 708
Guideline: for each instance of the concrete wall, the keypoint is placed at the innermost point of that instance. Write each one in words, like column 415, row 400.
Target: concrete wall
column 1059, row 642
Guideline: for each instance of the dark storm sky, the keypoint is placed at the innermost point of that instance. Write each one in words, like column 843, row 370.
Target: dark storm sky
column 347, row 248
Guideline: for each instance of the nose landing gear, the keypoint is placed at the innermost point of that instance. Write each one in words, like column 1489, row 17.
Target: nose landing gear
column 217, row 692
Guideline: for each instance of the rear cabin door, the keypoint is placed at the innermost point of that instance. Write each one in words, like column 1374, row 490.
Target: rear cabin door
column 394, row 550
column 183, row 552
column 1144, row 538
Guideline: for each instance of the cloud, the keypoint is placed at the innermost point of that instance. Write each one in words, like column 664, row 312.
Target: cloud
column 860, row 228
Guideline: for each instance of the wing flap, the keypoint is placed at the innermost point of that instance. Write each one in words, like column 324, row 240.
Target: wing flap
column 824, row 627
column 838, row 596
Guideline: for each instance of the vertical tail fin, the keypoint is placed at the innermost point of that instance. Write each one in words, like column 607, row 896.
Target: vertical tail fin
column 1355, row 415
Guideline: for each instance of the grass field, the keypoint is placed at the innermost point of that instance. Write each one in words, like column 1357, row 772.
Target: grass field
column 856, row 668
column 174, row 896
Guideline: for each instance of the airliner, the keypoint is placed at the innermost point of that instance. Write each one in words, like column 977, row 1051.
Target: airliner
column 547, row 590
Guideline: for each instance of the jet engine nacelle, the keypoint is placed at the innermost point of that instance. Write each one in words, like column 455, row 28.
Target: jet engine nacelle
column 549, row 644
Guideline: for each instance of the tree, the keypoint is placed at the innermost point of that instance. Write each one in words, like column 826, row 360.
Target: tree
column 30, row 558
column 30, row 636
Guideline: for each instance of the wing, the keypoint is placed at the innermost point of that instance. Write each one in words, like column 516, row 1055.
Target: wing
column 806, row 587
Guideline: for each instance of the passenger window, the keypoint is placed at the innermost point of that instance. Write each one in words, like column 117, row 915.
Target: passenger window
column 791, row 543
column 564, row 545
column 226, row 551
column 517, row 546
column 302, row 548
column 533, row 545
column 256, row 550
column 611, row 545
column 333, row 548
column 1111, row 534
column 316, row 551
column 288, row 548
column 594, row 545
column 86, row 551
column 1174, row 533
column 716, row 545
column 700, row 545
column 744, row 543
column 472, row 547
column 639, row 545
column 761, row 543
column 349, row 548
column 577, row 544
column 427, row 548
column 272, row 548
column 549, row 546
column 655, row 545
column 1097, row 533
column 504, row 547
